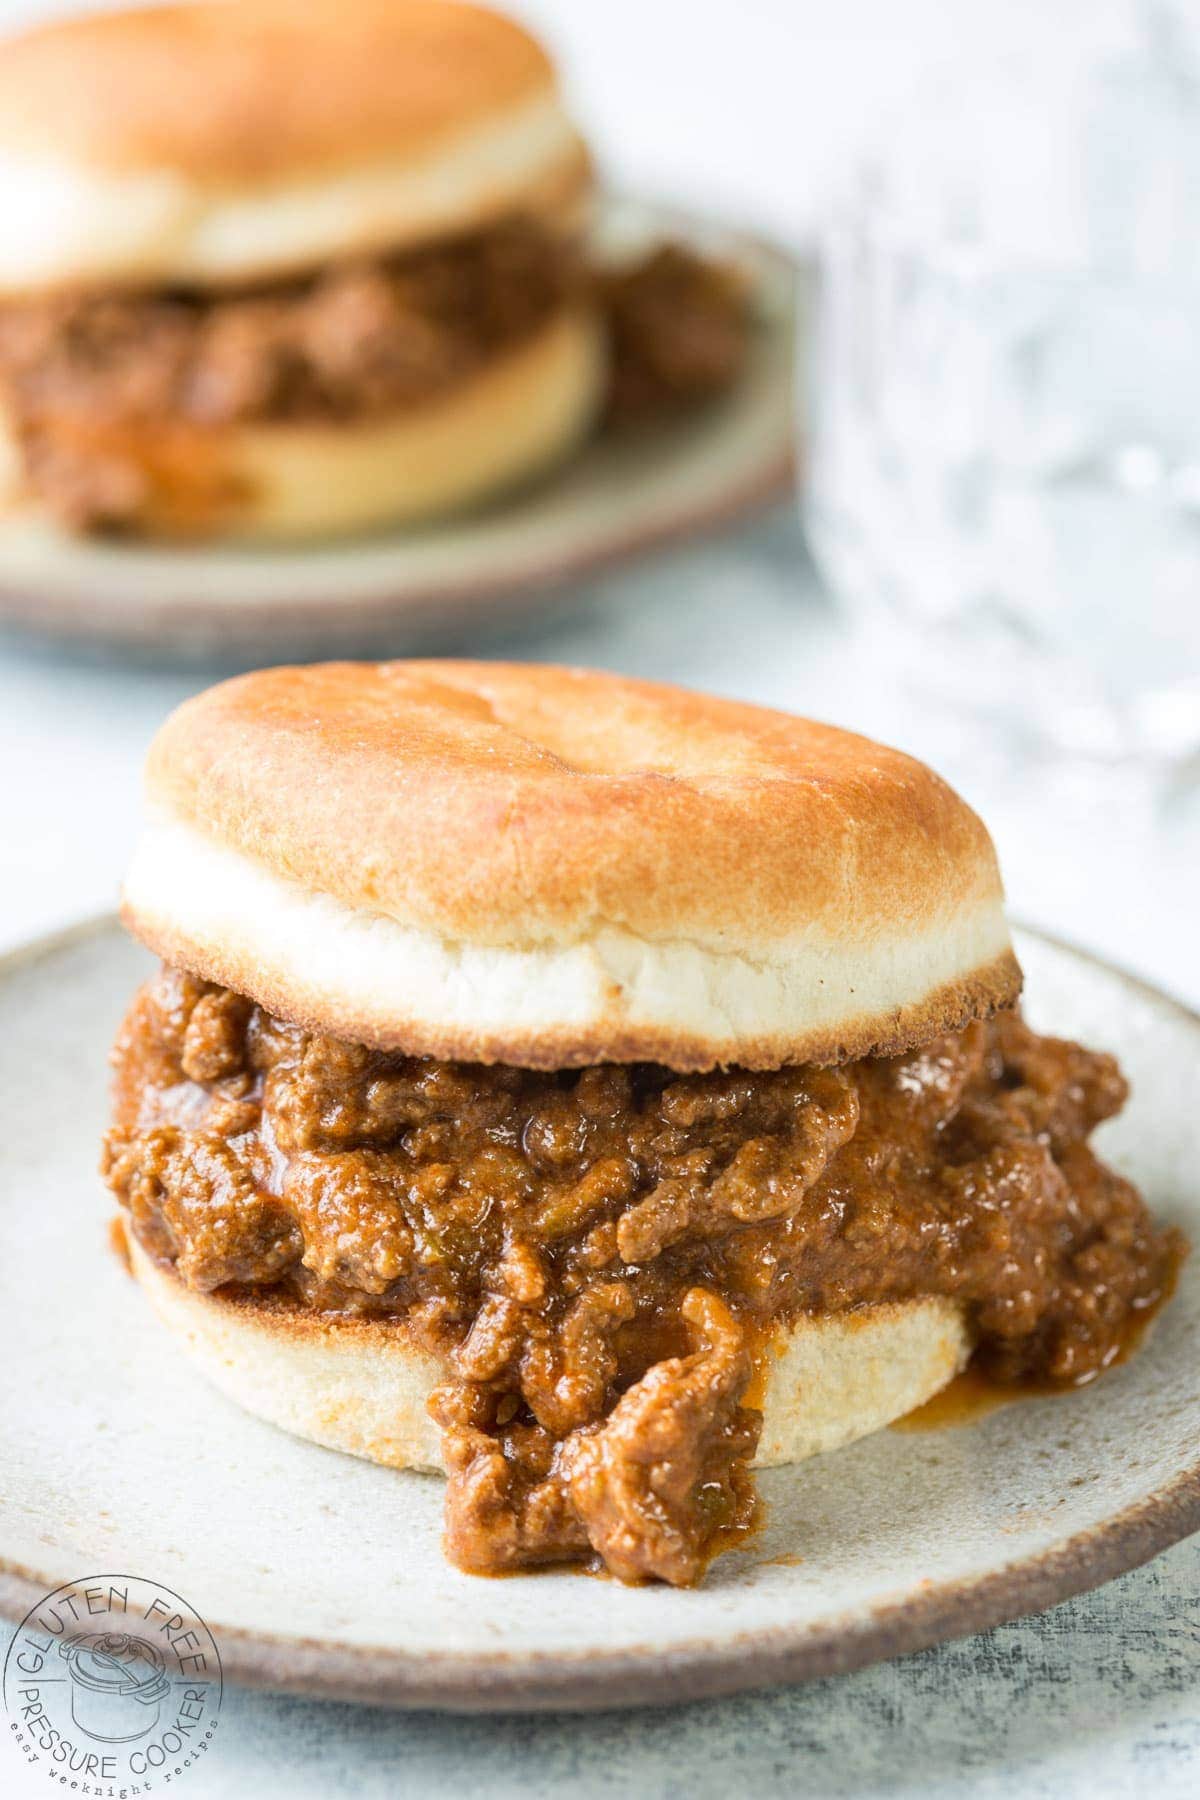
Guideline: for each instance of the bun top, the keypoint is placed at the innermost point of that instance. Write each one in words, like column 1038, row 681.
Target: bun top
column 224, row 142
column 549, row 866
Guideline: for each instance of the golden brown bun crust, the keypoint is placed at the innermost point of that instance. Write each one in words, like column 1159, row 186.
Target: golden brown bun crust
column 237, row 142
column 249, row 92
column 552, row 867
column 361, row 1385
column 511, row 803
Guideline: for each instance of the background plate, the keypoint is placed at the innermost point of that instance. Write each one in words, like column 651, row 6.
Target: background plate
column 616, row 499
column 324, row 1575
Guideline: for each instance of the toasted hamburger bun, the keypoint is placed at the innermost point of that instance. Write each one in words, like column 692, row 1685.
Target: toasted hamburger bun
column 362, row 1385
column 515, row 417
column 553, row 867
column 209, row 144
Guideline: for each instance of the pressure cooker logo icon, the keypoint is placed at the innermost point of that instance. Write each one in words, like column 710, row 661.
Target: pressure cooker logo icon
column 112, row 1684
column 118, row 1684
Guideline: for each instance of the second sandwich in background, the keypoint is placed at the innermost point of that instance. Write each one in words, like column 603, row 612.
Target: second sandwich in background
column 279, row 272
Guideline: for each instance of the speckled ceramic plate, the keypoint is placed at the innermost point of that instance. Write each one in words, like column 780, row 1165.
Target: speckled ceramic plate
column 617, row 500
column 323, row 1574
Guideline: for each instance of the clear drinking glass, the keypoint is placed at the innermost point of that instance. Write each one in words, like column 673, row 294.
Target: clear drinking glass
column 1007, row 393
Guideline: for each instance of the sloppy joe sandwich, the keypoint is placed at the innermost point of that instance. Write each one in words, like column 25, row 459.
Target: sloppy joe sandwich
column 276, row 271
column 594, row 1090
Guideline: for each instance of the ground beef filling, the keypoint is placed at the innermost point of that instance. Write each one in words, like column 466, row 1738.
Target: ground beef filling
column 82, row 375
column 597, row 1255
column 677, row 331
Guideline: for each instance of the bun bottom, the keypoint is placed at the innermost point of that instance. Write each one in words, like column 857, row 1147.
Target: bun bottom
column 519, row 415
column 361, row 1386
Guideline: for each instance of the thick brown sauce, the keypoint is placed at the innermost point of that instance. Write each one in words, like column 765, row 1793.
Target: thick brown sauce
column 600, row 1256
column 970, row 1396
column 118, row 1242
column 974, row 1393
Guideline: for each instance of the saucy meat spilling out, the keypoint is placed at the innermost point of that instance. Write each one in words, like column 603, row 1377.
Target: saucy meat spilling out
column 599, row 1257
column 355, row 341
